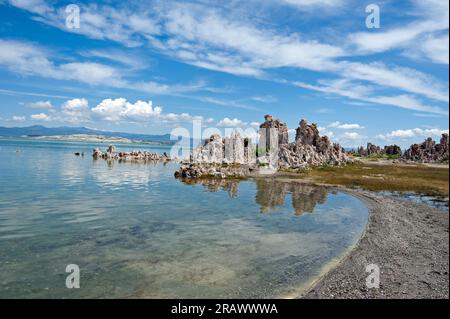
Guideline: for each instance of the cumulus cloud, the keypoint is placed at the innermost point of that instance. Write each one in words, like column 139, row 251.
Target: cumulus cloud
column 227, row 122
column 323, row 131
column 120, row 109
column 40, row 117
column 77, row 111
column 347, row 126
column 411, row 133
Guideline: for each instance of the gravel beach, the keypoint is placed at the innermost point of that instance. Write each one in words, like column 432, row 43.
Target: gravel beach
column 409, row 242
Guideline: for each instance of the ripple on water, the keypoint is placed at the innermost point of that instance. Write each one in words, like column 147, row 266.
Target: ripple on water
column 135, row 231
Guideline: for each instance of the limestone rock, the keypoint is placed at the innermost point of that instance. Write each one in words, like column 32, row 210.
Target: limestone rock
column 392, row 150
column 280, row 128
column 428, row 151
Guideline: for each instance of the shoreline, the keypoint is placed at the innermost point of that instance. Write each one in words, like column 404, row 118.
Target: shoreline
column 408, row 241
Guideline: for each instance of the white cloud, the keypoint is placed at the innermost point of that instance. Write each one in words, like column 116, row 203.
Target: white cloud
column 405, row 79
column 432, row 15
column 304, row 4
column 40, row 105
column 412, row 133
column 351, row 90
column 35, row 6
column 75, row 105
column 199, row 35
column 436, row 49
column 346, row 126
column 29, row 59
column 227, row 122
column 351, row 136
column 210, row 40
column 126, row 58
column 120, row 109
column 76, row 110
column 40, row 117
column 17, row 118
column 182, row 117
column 324, row 131
column 264, row 99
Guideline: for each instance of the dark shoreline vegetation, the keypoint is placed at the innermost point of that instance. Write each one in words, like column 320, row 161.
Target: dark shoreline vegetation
column 418, row 178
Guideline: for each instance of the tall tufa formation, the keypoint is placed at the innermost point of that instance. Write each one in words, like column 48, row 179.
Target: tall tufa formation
column 276, row 128
column 310, row 149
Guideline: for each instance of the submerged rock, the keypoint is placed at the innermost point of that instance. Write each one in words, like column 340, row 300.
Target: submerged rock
column 111, row 154
column 202, row 170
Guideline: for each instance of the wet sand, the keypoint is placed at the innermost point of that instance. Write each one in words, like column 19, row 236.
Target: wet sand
column 409, row 242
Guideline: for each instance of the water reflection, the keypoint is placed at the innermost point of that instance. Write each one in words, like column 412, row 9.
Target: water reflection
column 231, row 186
column 270, row 193
column 138, row 232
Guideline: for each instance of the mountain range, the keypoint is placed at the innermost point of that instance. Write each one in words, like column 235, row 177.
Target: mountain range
column 39, row 130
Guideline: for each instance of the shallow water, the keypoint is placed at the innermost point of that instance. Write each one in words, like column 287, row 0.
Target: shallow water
column 436, row 202
column 135, row 231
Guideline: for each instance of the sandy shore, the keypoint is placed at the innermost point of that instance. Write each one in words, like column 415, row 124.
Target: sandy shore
column 410, row 244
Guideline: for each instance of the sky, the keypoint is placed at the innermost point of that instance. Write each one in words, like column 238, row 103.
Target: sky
column 152, row 66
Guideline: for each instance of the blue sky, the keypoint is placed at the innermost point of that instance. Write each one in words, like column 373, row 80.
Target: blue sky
column 151, row 66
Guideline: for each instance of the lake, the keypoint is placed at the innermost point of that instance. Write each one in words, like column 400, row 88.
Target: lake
column 137, row 232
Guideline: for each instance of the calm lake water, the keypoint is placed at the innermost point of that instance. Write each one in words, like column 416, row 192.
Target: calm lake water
column 135, row 231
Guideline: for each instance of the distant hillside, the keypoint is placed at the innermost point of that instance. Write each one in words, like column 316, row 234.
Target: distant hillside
column 38, row 130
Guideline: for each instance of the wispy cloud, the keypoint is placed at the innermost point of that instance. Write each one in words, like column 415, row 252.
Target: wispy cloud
column 348, row 89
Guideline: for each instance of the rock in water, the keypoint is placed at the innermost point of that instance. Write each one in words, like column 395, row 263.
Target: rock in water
column 111, row 154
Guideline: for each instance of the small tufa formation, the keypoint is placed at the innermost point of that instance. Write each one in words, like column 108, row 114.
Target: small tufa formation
column 371, row 149
column 111, row 154
column 374, row 150
column 429, row 151
column 392, row 150
column 310, row 149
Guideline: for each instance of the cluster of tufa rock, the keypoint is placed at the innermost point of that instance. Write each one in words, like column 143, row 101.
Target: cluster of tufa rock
column 236, row 156
column 111, row 154
column 429, row 151
column 310, row 149
column 373, row 149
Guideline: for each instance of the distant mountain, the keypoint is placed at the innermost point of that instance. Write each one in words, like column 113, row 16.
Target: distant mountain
column 39, row 130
